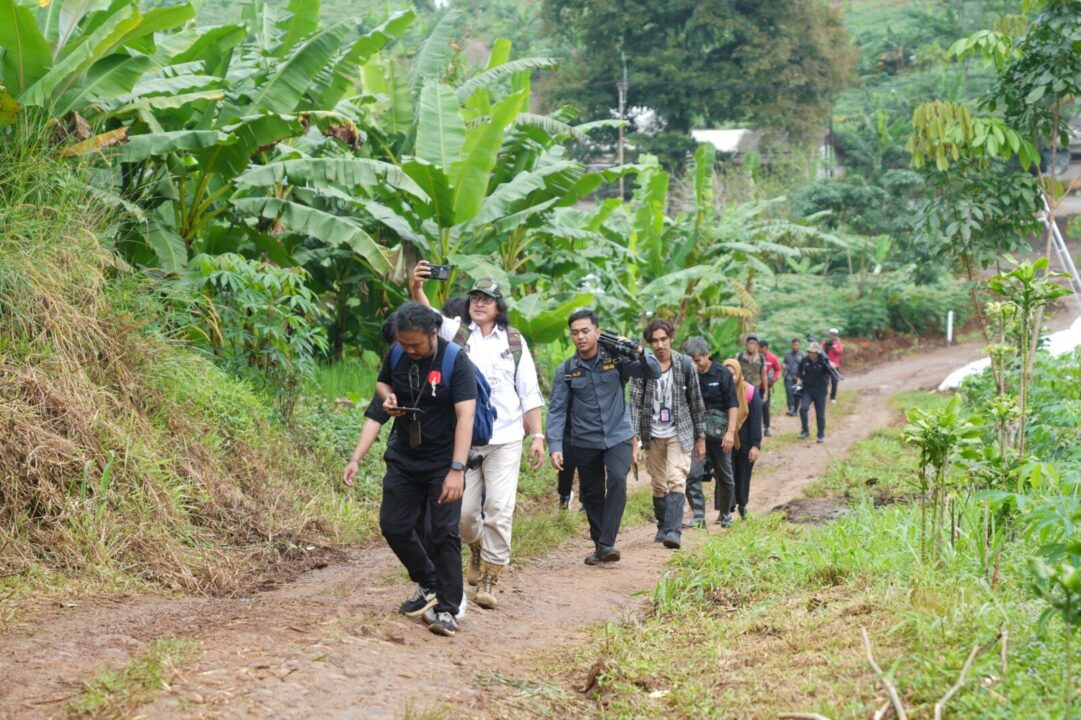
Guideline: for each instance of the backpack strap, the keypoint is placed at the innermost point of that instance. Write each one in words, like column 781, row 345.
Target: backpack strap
column 450, row 356
column 688, row 369
column 396, row 353
column 514, row 339
column 462, row 336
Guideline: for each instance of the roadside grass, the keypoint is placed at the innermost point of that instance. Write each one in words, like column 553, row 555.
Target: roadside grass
column 766, row 620
column 119, row 693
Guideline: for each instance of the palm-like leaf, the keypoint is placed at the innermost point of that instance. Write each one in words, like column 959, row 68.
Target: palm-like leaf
column 504, row 71
column 348, row 173
column 25, row 55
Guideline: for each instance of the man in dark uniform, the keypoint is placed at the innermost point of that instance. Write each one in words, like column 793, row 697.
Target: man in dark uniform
column 817, row 376
column 425, row 460
column 588, row 397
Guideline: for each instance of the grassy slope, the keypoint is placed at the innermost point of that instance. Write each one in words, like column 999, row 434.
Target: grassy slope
column 128, row 460
column 766, row 619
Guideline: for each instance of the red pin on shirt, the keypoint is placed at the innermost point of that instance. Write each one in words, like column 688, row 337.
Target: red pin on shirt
column 434, row 378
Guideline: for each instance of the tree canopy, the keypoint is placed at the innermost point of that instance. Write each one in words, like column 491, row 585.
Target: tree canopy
column 774, row 65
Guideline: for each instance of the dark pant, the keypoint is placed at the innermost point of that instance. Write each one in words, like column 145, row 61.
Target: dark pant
column 602, row 479
column 789, row 394
column 741, row 470
column 435, row 561
column 817, row 396
column 765, row 408
column 833, row 387
column 566, row 475
column 721, row 466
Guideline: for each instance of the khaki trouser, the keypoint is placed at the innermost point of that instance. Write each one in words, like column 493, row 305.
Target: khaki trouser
column 668, row 465
column 496, row 481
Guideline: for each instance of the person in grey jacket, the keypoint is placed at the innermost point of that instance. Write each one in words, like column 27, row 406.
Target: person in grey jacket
column 790, row 362
column 589, row 400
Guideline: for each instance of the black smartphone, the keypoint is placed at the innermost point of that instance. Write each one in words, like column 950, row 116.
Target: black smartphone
column 439, row 272
column 409, row 409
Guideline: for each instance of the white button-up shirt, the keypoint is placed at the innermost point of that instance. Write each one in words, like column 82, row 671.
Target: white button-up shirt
column 493, row 357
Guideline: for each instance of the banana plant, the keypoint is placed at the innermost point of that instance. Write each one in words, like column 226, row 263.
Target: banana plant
column 72, row 54
column 285, row 87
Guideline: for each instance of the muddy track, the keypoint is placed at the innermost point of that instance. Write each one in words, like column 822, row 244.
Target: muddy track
column 329, row 644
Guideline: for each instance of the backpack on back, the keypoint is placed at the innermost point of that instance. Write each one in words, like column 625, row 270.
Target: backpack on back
column 485, row 414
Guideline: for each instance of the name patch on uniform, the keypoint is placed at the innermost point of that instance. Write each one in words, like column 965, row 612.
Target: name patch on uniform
column 575, row 374
column 608, row 365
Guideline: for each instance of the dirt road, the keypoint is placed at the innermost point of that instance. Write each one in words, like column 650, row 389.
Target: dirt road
column 329, row 645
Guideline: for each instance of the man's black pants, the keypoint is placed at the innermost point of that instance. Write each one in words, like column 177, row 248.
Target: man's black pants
column 566, row 475
column 721, row 465
column 410, row 487
column 790, row 395
column 765, row 408
column 817, row 397
column 602, row 478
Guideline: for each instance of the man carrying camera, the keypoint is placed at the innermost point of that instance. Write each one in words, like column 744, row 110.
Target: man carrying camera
column 434, row 407
column 588, row 396
column 669, row 419
column 491, row 484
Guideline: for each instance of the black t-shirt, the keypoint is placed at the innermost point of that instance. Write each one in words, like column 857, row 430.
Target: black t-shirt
column 718, row 388
column 438, row 420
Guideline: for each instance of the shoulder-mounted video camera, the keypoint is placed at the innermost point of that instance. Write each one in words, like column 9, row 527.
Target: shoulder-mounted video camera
column 620, row 347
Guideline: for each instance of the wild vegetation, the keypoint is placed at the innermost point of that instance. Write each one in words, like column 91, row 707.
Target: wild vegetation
column 206, row 211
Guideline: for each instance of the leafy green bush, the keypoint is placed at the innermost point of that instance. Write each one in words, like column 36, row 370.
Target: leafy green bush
column 260, row 318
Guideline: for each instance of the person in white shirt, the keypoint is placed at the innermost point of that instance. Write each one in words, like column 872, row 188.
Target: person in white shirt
column 502, row 356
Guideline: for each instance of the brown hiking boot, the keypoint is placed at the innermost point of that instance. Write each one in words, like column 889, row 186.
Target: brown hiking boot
column 486, row 590
column 472, row 572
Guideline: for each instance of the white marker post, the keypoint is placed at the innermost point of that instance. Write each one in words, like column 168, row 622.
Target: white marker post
column 949, row 327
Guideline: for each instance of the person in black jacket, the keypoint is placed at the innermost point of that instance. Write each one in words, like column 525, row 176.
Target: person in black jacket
column 719, row 395
column 816, row 375
column 748, row 436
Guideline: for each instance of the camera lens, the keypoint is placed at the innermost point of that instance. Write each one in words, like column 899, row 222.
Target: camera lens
column 474, row 460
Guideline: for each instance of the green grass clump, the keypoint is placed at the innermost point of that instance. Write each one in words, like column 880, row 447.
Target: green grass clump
column 117, row 693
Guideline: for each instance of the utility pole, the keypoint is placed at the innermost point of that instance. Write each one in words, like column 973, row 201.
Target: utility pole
column 622, row 87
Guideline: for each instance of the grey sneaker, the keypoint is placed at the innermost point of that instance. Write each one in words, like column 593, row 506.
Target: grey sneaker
column 593, row 559
column 444, row 625
column 421, row 600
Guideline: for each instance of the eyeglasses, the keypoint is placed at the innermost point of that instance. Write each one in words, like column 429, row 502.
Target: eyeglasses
column 481, row 298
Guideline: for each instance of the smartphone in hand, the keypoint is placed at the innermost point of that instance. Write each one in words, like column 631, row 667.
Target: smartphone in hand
column 439, row 272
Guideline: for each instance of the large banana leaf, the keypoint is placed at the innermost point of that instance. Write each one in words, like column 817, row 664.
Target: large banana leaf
column 346, row 71
column 141, row 147
column 436, row 186
column 228, row 159
column 303, row 21
column 344, row 173
column 154, row 21
column 511, row 197
column 173, row 85
column 62, row 17
column 431, row 61
column 285, row 87
column 211, row 46
column 331, row 229
column 471, row 172
column 166, row 102
column 110, row 78
column 86, row 52
column 504, row 71
column 542, row 318
column 165, row 241
column 24, row 51
column 440, row 128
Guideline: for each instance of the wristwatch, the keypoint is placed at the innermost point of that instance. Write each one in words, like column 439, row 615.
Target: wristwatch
column 460, row 467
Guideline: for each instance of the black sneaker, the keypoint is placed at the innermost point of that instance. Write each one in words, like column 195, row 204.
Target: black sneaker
column 444, row 625
column 766, row 432
column 565, row 501
column 608, row 555
column 804, row 434
column 421, row 600
column 821, row 440
column 725, row 521
column 593, row 559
